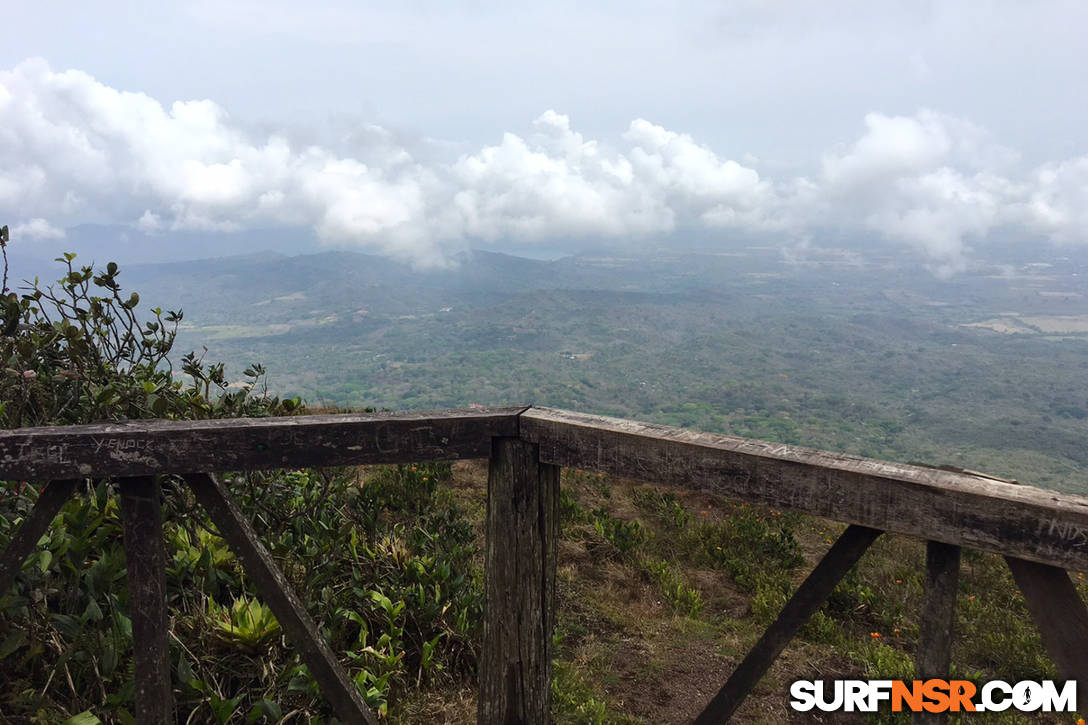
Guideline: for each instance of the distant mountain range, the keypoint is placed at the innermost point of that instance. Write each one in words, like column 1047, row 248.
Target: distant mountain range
column 857, row 351
column 273, row 287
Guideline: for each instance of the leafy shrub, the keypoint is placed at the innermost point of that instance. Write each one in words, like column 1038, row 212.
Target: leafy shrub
column 755, row 548
column 664, row 505
column 682, row 598
column 570, row 510
column 574, row 701
column 626, row 536
column 382, row 560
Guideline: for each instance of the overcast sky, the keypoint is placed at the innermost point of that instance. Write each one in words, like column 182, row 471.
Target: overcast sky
column 419, row 128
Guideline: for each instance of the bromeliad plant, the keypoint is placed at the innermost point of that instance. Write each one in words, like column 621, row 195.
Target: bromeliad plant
column 246, row 625
column 383, row 561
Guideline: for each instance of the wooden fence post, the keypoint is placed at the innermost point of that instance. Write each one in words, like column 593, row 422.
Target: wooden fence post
column 519, row 615
column 145, row 559
column 934, row 656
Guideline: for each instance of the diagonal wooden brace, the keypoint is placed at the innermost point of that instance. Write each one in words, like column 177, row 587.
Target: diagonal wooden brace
column 1059, row 612
column 46, row 508
column 236, row 530
column 808, row 598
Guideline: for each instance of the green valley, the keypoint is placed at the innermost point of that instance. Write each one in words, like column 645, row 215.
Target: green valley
column 862, row 353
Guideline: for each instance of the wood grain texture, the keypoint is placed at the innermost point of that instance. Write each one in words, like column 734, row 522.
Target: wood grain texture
column 238, row 532
column 812, row 593
column 145, row 560
column 145, row 447
column 49, row 503
column 954, row 508
column 934, row 656
column 1060, row 614
column 519, row 617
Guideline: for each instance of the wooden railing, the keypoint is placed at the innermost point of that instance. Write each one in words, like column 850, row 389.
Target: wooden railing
column 1040, row 533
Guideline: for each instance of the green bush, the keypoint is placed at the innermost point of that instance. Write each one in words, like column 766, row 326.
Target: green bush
column 383, row 560
column 682, row 598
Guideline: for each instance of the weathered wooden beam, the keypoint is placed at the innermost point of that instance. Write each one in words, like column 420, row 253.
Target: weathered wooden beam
column 50, row 501
column 337, row 687
column 934, row 656
column 808, row 598
column 145, row 560
column 954, row 508
column 1059, row 612
column 519, row 615
column 133, row 448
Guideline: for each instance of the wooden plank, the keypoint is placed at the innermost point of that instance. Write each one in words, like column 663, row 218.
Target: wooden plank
column 49, row 503
column 337, row 687
column 1060, row 614
column 951, row 507
column 808, row 598
column 145, row 559
column 522, row 539
column 934, row 656
column 133, row 448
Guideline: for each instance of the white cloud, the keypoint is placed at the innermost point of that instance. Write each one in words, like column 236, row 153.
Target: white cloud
column 37, row 228
column 76, row 150
column 125, row 156
column 693, row 179
column 557, row 185
column 1058, row 203
column 149, row 222
column 902, row 146
column 931, row 180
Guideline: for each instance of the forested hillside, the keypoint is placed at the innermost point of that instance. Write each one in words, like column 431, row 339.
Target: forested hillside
column 832, row 349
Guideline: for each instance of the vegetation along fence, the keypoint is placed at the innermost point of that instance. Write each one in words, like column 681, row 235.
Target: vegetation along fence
column 1040, row 533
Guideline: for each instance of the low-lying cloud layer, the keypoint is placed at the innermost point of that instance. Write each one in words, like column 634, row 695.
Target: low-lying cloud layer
column 77, row 151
